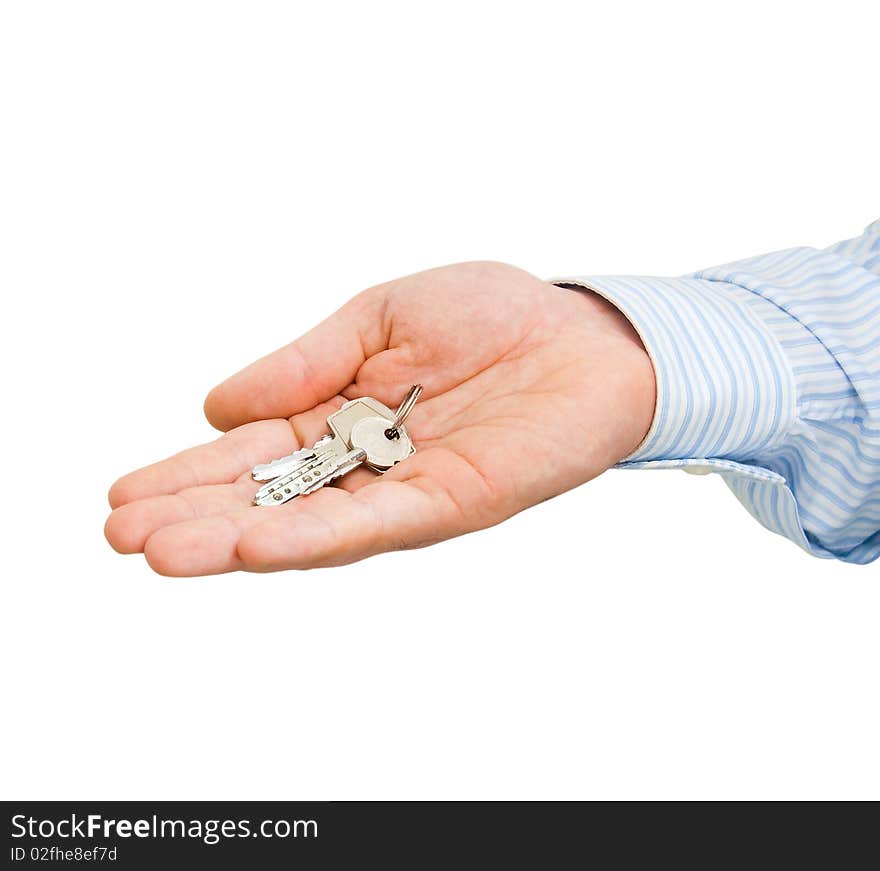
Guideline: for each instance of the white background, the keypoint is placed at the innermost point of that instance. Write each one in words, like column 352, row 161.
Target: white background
column 186, row 186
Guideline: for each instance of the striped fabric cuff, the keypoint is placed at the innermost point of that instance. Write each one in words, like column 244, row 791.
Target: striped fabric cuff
column 724, row 387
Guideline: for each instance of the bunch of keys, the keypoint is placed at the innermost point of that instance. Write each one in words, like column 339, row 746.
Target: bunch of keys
column 363, row 431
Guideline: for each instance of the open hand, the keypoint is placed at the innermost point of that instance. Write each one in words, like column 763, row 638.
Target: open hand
column 530, row 389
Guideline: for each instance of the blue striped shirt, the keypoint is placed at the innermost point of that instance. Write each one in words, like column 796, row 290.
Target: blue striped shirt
column 768, row 373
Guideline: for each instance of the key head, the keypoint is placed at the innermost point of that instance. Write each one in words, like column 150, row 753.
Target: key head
column 370, row 434
column 343, row 421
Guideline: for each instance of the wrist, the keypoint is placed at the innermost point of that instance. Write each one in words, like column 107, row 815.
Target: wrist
column 631, row 370
column 640, row 382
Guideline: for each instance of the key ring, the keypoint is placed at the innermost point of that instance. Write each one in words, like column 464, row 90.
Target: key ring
column 403, row 411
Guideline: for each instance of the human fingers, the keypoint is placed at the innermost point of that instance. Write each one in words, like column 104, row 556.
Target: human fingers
column 224, row 459
column 437, row 496
column 129, row 526
column 329, row 527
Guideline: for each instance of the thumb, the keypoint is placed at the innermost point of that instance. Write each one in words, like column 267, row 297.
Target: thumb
column 307, row 372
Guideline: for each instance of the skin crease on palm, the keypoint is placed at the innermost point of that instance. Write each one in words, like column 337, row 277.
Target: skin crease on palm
column 530, row 390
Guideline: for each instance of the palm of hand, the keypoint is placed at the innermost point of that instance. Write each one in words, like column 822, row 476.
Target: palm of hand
column 530, row 389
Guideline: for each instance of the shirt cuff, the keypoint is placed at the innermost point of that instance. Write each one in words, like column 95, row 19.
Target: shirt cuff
column 725, row 389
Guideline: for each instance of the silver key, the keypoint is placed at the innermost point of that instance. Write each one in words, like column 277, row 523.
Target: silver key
column 332, row 456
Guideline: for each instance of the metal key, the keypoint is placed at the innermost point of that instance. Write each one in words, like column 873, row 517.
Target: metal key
column 332, row 456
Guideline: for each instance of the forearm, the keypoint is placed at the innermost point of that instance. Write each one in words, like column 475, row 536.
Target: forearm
column 768, row 372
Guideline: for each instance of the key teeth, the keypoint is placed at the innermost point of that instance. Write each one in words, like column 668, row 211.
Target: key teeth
column 266, row 496
column 265, row 472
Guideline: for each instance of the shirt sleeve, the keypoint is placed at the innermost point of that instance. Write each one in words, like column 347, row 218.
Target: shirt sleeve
column 768, row 373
